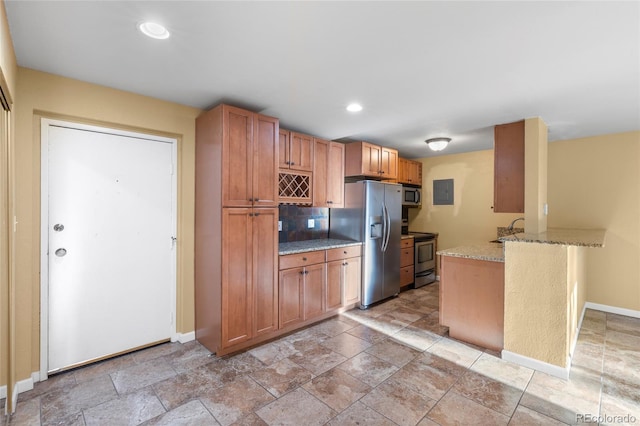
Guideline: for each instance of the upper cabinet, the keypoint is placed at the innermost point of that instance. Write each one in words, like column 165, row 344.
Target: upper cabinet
column 508, row 193
column 249, row 167
column 409, row 172
column 296, row 151
column 328, row 174
column 366, row 159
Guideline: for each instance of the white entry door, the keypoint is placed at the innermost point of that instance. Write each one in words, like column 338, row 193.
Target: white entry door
column 110, row 227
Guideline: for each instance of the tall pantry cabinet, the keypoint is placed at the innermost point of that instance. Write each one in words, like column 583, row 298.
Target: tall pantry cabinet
column 236, row 241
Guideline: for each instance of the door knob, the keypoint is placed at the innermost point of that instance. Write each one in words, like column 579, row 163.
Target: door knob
column 61, row 252
column 58, row 227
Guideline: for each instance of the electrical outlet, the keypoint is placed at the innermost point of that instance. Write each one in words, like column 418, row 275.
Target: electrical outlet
column 311, row 223
column 279, row 225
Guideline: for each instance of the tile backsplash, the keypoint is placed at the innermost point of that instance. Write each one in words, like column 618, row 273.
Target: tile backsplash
column 294, row 223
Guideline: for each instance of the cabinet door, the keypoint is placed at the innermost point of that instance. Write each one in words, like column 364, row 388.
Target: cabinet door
column 236, row 292
column 508, row 192
column 335, row 281
column 403, row 170
column 389, row 163
column 237, row 153
column 313, row 290
column 265, row 270
column 301, row 152
column 371, row 157
column 335, row 179
column 320, row 173
column 291, row 296
column 283, row 149
column 416, row 172
column 265, row 161
column 352, row 280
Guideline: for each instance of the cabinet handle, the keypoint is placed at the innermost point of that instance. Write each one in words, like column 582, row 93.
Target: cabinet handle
column 301, row 272
column 256, row 214
column 250, row 214
column 287, row 162
column 256, row 199
column 345, row 252
column 292, row 163
column 329, row 202
column 251, row 199
column 304, row 259
column 345, row 263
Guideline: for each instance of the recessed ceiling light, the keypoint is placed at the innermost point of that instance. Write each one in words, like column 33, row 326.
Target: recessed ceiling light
column 354, row 107
column 153, row 30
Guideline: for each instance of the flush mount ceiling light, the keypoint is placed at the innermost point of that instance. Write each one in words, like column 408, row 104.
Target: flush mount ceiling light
column 354, row 107
column 153, row 30
column 438, row 144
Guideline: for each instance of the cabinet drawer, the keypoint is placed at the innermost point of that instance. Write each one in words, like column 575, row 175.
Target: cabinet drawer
column 406, row 257
column 301, row 259
column 406, row 242
column 406, row 275
column 343, row 253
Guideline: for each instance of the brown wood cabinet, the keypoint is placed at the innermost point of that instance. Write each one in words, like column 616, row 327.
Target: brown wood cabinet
column 236, row 233
column 248, row 152
column 407, row 260
column 316, row 283
column 295, row 151
column 508, row 192
column 389, row 163
column 249, row 274
column 343, row 276
column 328, row 174
column 409, row 172
column 472, row 300
column 366, row 159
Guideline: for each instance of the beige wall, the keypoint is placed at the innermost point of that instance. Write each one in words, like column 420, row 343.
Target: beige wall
column 535, row 301
column 8, row 69
column 46, row 95
column 535, row 177
column 470, row 220
column 595, row 183
column 592, row 183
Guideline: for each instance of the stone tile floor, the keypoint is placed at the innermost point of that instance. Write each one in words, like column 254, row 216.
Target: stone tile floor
column 390, row 365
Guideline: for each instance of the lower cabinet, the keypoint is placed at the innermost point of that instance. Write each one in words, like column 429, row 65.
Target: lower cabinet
column 406, row 262
column 315, row 284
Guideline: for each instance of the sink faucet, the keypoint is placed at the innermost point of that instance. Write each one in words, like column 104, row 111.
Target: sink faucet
column 510, row 227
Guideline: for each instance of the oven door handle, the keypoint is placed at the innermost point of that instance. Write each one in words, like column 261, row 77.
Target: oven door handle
column 425, row 273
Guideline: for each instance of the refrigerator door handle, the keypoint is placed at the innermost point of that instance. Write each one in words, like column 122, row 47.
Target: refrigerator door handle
column 384, row 230
column 387, row 227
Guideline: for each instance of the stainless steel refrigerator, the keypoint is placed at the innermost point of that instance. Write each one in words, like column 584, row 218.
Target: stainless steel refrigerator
column 373, row 215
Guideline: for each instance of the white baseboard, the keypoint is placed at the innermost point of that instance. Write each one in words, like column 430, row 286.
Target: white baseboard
column 21, row 386
column 186, row 337
column 3, row 391
column 551, row 369
column 612, row 309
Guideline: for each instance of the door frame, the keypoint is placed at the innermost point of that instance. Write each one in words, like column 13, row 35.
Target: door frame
column 45, row 123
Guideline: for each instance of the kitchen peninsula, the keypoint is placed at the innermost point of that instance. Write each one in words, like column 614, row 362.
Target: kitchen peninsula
column 542, row 277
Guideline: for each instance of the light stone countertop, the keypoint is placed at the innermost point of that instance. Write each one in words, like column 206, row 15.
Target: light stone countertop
column 404, row 236
column 313, row 245
column 566, row 237
column 491, row 252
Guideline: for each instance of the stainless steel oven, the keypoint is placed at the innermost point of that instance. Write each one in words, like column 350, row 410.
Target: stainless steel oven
column 425, row 258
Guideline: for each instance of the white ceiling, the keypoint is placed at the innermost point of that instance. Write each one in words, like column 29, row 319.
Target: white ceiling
column 420, row 69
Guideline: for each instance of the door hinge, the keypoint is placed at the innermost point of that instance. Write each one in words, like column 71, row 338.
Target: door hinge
column 174, row 240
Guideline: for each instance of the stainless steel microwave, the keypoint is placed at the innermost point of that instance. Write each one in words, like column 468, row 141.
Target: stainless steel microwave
column 411, row 196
